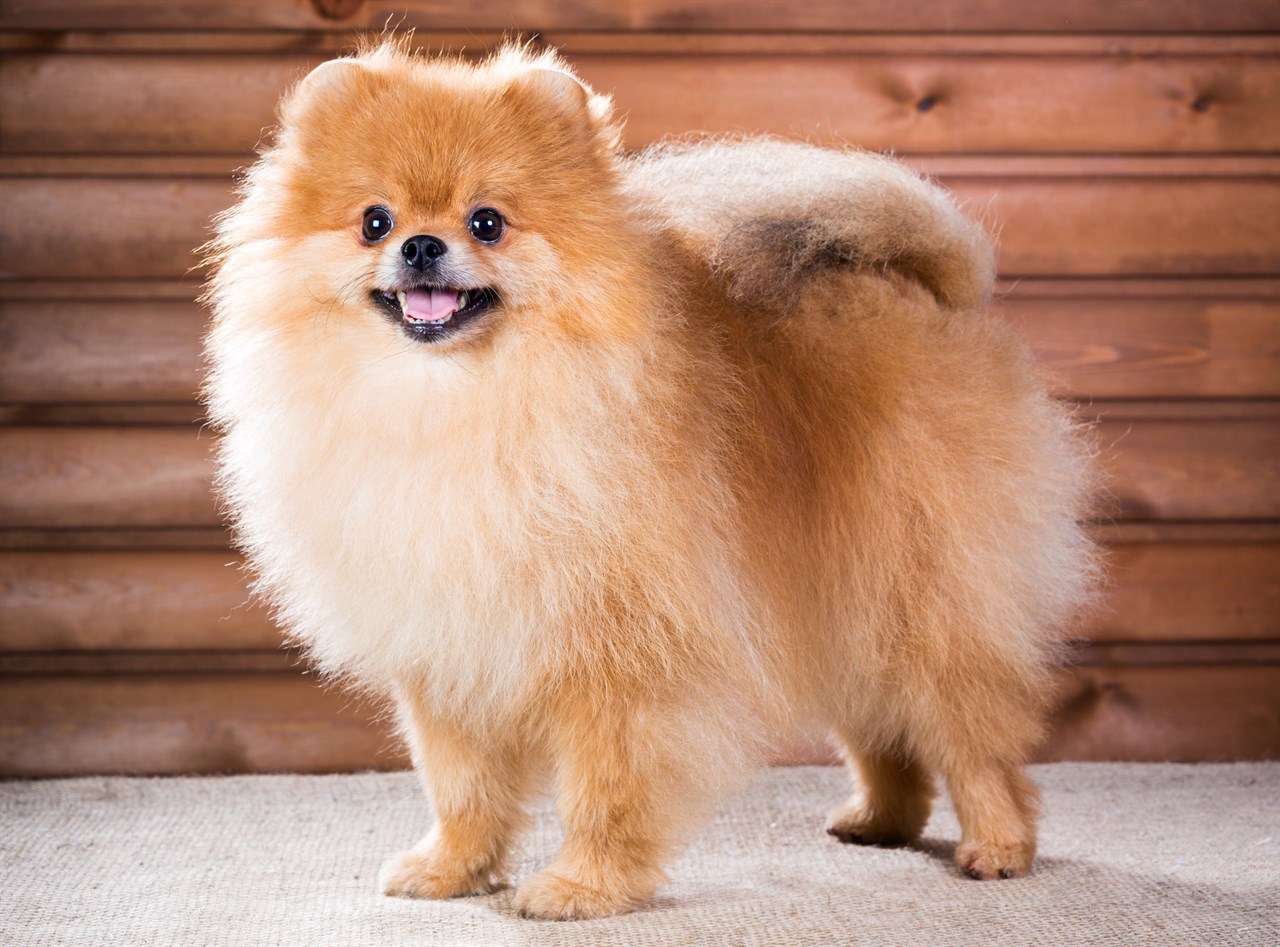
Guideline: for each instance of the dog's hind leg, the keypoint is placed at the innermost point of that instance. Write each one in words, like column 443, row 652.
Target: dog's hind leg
column 891, row 802
column 997, row 806
column 979, row 735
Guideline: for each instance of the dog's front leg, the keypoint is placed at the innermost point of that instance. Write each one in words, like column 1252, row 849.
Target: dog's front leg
column 477, row 784
column 624, row 793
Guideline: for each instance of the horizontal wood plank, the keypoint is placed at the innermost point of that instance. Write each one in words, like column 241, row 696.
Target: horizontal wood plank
column 1095, row 345
column 188, row 287
column 1217, row 460
column 918, row 103
column 99, row 351
column 910, row 102
column 579, row 42
column 195, row 538
column 1128, row 227
column 1205, row 461
column 222, row 661
column 1080, row 16
column 123, row 228
column 154, row 724
column 82, row 601
column 1189, row 591
column 106, row 230
column 103, row 414
column 1127, row 347
column 136, row 600
column 53, row 725
column 1169, row 713
column 103, row 477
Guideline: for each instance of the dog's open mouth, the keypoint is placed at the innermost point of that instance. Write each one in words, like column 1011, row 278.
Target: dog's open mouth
column 433, row 313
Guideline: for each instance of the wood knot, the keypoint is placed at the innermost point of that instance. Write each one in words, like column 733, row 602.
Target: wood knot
column 337, row 9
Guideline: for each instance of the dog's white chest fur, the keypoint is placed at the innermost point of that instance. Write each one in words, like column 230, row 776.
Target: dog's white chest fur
column 386, row 545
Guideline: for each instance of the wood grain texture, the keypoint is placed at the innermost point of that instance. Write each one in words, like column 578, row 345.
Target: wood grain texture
column 969, row 104
column 143, row 102
column 580, row 42
column 103, row 414
column 689, row 15
column 1135, row 347
column 1192, row 461
column 140, row 538
column 57, row 725
column 103, row 477
column 185, row 289
column 192, row 723
column 1127, row 154
column 1128, row 227
column 1189, row 591
column 1168, row 713
column 1097, row 341
column 141, row 600
column 104, row 230
column 115, row 663
column 911, row 102
column 87, row 601
column 99, row 351
column 94, row 229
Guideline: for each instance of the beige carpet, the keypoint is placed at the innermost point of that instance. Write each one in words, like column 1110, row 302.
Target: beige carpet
column 1130, row 855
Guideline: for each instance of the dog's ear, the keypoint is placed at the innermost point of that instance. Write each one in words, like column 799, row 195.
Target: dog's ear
column 331, row 74
column 325, row 85
column 576, row 106
column 569, row 96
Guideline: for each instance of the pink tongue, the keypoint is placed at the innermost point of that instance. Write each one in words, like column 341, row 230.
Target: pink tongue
column 430, row 305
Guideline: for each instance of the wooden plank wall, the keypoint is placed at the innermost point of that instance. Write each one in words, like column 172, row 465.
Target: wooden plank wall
column 1127, row 151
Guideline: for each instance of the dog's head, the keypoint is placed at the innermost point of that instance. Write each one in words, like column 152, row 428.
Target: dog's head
column 432, row 201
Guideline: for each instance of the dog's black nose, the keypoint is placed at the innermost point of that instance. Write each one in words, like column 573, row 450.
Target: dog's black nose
column 421, row 251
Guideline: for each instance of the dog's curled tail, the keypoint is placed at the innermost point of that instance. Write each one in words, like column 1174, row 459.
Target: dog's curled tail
column 769, row 215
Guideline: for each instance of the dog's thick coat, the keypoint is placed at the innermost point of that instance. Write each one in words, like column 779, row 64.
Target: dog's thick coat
column 737, row 449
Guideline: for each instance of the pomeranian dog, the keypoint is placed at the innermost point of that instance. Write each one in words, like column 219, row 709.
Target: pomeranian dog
column 609, row 469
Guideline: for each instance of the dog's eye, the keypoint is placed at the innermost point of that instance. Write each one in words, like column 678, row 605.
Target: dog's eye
column 377, row 224
column 485, row 225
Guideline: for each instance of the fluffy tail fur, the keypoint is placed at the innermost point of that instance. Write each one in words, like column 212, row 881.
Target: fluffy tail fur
column 770, row 214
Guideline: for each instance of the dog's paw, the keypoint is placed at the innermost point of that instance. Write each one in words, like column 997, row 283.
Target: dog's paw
column 426, row 874
column 855, row 824
column 986, row 862
column 549, row 897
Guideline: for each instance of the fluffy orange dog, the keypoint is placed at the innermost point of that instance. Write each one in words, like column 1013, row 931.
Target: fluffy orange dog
column 611, row 468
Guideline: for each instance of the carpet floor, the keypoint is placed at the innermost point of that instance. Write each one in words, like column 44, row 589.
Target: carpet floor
column 1130, row 854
